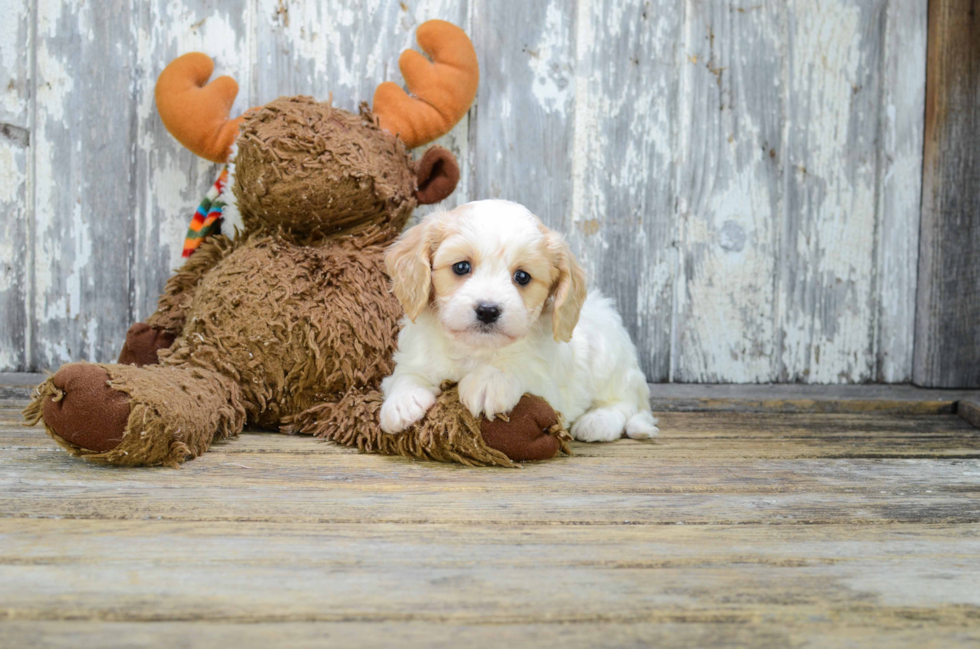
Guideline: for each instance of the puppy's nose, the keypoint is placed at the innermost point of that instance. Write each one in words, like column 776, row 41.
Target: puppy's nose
column 487, row 313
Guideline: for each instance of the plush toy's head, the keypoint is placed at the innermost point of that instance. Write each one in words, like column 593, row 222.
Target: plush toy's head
column 312, row 169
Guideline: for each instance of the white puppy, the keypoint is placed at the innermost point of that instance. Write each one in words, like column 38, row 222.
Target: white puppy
column 496, row 302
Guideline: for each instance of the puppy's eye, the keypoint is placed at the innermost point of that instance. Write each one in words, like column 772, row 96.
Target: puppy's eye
column 522, row 278
column 461, row 268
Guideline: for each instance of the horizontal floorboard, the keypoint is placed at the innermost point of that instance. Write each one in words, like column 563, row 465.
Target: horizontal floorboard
column 700, row 435
column 461, row 574
column 903, row 628
column 50, row 468
column 325, row 495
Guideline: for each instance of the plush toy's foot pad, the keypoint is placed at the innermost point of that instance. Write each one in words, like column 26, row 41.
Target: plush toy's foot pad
column 142, row 344
column 148, row 416
column 84, row 410
column 527, row 433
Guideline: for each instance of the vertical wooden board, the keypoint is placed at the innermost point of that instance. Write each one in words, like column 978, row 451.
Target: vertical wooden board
column 730, row 191
column 170, row 181
column 520, row 134
column 343, row 49
column 947, row 328
column 622, row 225
column 15, row 205
column 900, row 185
column 340, row 48
column 826, row 300
column 83, row 209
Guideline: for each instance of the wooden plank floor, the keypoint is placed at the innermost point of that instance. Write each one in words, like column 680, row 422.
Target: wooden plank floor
column 825, row 522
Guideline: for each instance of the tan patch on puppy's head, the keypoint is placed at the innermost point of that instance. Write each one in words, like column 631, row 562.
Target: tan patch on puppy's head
column 569, row 287
column 451, row 250
column 409, row 262
column 536, row 260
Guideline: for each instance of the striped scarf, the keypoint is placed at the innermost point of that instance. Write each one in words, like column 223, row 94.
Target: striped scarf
column 207, row 218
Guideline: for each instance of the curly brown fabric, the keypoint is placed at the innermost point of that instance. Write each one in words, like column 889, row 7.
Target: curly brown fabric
column 448, row 433
column 179, row 291
column 174, row 413
column 293, row 323
column 313, row 170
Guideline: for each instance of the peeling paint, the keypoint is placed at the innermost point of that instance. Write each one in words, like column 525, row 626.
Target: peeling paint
column 727, row 176
column 900, row 190
column 546, row 59
column 13, row 31
column 11, row 176
column 830, row 301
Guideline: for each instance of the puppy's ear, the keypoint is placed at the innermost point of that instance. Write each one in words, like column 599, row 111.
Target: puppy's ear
column 409, row 264
column 569, row 290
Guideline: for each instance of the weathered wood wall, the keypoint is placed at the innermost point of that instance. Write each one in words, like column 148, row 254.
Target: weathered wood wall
column 744, row 177
column 947, row 344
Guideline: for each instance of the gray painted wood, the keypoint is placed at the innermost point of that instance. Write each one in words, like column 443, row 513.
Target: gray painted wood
column 900, row 185
column 15, row 165
column 730, row 187
column 623, row 197
column 667, row 139
column 528, row 46
column 826, row 266
column 947, row 328
column 83, row 139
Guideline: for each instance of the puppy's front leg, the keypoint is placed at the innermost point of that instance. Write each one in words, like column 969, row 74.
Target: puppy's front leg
column 407, row 398
column 489, row 391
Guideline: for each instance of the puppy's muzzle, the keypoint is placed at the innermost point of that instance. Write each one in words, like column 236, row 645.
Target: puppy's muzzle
column 487, row 313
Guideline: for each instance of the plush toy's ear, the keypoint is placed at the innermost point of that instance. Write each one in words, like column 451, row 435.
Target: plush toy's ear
column 570, row 289
column 437, row 174
column 409, row 264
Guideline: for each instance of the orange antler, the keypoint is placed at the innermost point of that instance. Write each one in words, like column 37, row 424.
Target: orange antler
column 198, row 114
column 442, row 89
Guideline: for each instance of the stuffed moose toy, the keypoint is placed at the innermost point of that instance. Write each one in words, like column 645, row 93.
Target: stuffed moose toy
column 283, row 315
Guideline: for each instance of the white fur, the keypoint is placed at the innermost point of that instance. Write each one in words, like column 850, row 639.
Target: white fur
column 594, row 380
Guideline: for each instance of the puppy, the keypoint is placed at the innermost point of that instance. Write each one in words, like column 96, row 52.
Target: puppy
column 495, row 302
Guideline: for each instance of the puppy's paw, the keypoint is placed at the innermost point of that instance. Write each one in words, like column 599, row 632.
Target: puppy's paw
column 489, row 391
column 403, row 408
column 642, row 425
column 600, row 425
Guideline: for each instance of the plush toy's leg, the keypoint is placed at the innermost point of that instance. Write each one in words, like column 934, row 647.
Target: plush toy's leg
column 447, row 433
column 161, row 328
column 121, row 414
column 142, row 344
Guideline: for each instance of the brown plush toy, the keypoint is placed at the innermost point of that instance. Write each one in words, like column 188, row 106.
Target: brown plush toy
column 291, row 324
